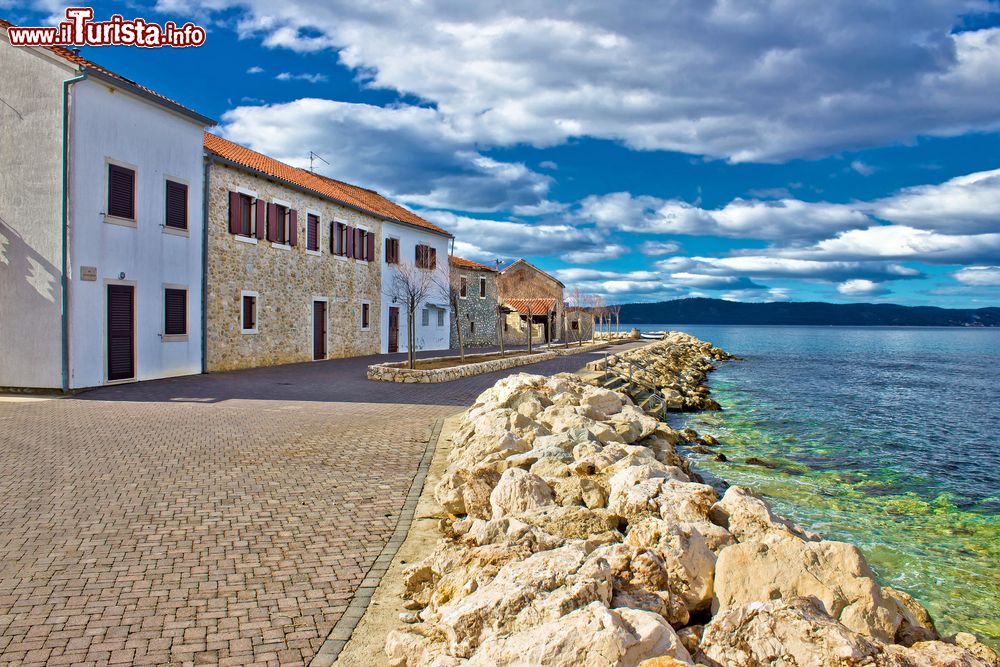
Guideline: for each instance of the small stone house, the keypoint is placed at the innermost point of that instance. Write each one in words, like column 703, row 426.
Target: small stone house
column 294, row 262
column 531, row 295
column 579, row 324
column 477, row 303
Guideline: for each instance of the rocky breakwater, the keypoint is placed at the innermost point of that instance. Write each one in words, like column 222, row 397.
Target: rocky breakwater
column 578, row 536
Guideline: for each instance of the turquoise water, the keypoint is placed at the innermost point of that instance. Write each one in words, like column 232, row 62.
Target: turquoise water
column 884, row 437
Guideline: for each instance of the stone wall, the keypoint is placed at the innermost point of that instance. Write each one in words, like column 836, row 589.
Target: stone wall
column 523, row 281
column 584, row 325
column 287, row 281
column 477, row 314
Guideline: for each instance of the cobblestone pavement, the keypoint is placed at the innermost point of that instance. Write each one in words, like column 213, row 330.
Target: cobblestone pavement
column 222, row 519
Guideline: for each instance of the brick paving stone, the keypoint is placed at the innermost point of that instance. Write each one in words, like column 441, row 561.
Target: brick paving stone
column 216, row 519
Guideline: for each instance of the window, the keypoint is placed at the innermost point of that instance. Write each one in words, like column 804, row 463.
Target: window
column 426, row 257
column 177, row 205
column 472, row 326
column 121, row 192
column 463, row 287
column 312, row 232
column 241, row 214
column 440, row 314
column 392, row 251
column 363, row 240
column 575, row 325
column 425, row 317
column 248, row 313
column 344, row 242
column 278, row 227
column 365, row 314
column 482, row 287
column 174, row 311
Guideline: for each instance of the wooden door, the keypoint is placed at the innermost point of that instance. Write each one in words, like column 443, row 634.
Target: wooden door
column 121, row 332
column 393, row 329
column 319, row 329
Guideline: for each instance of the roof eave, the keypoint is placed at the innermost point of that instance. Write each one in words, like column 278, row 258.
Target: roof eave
column 204, row 121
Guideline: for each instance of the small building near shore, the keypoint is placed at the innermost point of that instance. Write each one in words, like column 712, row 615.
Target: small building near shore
column 530, row 295
column 579, row 324
column 476, row 286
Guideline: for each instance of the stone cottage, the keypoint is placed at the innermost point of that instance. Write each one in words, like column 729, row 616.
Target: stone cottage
column 531, row 295
column 294, row 261
column 579, row 324
column 476, row 285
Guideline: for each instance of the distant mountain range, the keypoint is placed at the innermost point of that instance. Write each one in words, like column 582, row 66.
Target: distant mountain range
column 717, row 311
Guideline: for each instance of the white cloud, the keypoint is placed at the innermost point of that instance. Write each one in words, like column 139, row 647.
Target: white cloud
column 311, row 78
column 765, row 266
column 861, row 287
column 905, row 243
column 548, row 164
column 410, row 153
column 255, row 70
column 765, row 295
column 659, row 248
column 714, row 79
column 784, row 219
column 978, row 275
column 862, row 168
column 966, row 204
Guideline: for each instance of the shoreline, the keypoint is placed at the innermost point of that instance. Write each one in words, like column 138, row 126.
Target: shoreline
column 556, row 475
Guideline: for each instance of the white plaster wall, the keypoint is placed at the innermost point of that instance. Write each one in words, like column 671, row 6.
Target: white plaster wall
column 108, row 123
column 30, row 217
column 431, row 337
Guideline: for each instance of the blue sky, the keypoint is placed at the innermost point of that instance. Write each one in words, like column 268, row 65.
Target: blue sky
column 747, row 150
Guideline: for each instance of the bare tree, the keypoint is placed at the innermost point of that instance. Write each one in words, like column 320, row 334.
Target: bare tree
column 616, row 310
column 451, row 291
column 410, row 286
column 503, row 295
column 576, row 299
column 599, row 314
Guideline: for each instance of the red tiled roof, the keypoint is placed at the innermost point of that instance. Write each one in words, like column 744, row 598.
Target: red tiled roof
column 352, row 195
column 463, row 263
column 530, row 265
column 83, row 63
column 531, row 306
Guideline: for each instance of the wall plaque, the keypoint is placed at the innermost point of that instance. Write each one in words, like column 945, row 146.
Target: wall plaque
column 88, row 273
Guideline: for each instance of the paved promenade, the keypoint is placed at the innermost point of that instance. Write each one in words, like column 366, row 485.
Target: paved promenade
column 221, row 519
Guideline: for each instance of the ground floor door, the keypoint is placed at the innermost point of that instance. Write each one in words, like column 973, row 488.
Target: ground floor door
column 393, row 329
column 319, row 329
column 121, row 332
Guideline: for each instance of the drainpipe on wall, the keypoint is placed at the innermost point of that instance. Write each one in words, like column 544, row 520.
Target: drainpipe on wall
column 65, row 229
column 210, row 160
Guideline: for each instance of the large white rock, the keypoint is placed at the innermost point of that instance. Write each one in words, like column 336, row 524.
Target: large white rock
column 640, row 580
column 519, row 491
column 748, row 518
column 835, row 573
column 687, row 557
column 593, row 635
column 601, row 404
column 648, row 492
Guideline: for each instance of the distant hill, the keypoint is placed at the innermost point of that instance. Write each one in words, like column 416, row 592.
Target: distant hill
column 717, row 311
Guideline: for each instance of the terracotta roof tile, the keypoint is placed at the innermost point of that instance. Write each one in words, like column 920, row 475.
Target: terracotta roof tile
column 324, row 186
column 531, row 306
column 463, row 263
column 82, row 62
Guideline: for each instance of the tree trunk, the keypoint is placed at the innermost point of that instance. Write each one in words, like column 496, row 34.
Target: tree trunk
column 461, row 345
column 411, row 319
column 531, row 326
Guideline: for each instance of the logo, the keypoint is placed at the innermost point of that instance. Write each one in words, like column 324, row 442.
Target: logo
column 79, row 29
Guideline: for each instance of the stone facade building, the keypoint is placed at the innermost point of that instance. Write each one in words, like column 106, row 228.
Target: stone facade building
column 294, row 270
column 477, row 303
column 531, row 295
column 579, row 324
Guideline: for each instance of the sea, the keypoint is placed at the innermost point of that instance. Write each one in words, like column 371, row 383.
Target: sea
column 885, row 437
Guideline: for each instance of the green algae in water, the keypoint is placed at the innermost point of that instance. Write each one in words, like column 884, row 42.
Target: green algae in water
column 931, row 547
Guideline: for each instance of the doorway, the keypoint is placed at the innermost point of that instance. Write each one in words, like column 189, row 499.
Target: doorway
column 121, row 332
column 393, row 329
column 319, row 329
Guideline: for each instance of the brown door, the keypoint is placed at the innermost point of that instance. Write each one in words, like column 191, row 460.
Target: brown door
column 121, row 332
column 393, row 329
column 319, row 329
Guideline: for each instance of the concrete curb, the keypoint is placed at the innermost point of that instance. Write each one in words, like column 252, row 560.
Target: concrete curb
column 342, row 631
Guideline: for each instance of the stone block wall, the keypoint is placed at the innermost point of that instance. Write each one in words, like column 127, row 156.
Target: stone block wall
column 523, row 281
column 475, row 309
column 286, row 280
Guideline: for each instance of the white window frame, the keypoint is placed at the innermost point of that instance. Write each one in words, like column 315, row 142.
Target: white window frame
column 329, row 318
column 187, row 203
column 363, row 245
column 440, row 316
column 256, row 315
column 425, row 317
column 343, row 225
column 287, row 221
column 319, row 234
column 171, row 338
column 252, row 239
column 361, row 315
column 114, row 219
column 484, row 287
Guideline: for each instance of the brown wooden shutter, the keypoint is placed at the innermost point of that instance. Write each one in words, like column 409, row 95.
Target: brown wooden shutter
column 174, row 312
column 235, row 212
column 334, row 238
column 121, row 332
column 359, row 243
column 272, row 222
column 176, row 198
column 349, row 236
column 432, row 260
column 293, row 227
column 260, row 218
column 419, row 252
column 249, row 321
column 121, row 192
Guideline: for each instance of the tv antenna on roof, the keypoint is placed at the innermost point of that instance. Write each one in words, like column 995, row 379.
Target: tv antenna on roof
column 313, row 156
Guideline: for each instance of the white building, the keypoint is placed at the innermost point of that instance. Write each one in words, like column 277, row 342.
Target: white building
column 424, row 246
column 101, row 225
